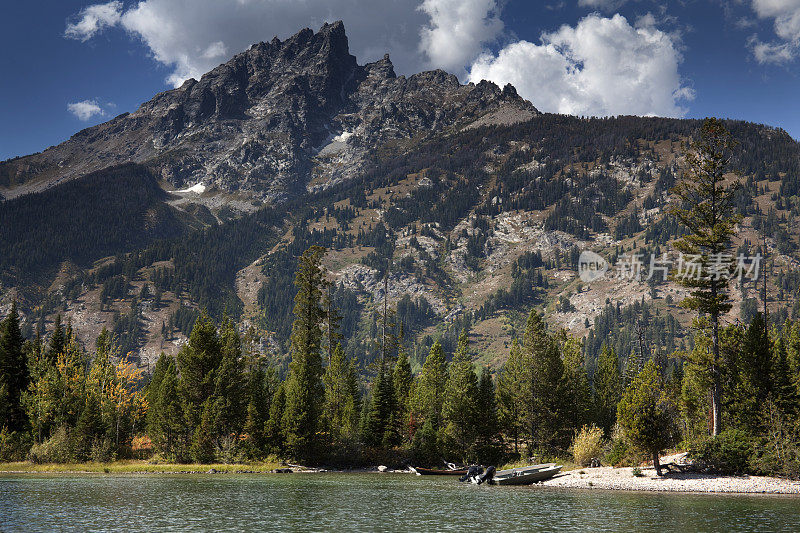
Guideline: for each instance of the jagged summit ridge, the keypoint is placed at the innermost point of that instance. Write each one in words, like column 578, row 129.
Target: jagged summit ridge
column 256, row 124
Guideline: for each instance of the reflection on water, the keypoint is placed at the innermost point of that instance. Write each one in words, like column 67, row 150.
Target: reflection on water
column 363, row 502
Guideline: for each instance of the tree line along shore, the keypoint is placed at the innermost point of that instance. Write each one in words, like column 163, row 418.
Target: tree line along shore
column 732, row 400
column 215, row 403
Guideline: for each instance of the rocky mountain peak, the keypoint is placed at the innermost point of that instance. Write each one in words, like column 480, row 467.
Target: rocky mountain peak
column 257, row 123
column 380, row 69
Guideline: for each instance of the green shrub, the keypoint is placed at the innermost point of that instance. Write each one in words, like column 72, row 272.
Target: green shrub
column 637, row 472
column 620, row 453
column 102, row 451
column 616, row 455
column 775, row 457
column 777, row 451
column 59, row 448
column 727, row 453
column 587, row 445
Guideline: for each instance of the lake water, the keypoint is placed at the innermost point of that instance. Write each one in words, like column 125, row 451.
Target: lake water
column 363, row 502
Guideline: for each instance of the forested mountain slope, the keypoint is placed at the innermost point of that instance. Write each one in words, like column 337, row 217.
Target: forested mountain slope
column 474, row 205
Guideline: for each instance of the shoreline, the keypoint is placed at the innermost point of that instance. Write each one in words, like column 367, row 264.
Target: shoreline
column 601, row 478
column 143, row 467
column 622, row 479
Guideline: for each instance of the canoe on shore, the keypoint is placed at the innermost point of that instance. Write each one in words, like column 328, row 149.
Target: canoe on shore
column 437, row 471
column 526, row 475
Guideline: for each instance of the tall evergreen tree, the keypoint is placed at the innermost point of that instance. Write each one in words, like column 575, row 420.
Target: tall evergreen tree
column 459, row 407
column 169, row 426
column 607, row 388
column 708, row 211
column 574, row 391
column 14, row 376
column 380, row 428
column 792, row 342
column 58, row 340
column 428, row 393
column 547, row 369
column 783, row 391
column 402, row 381
column 202, row 448
column 257, row 413
column 153, row 390
column 275, row 433
column 755, row 360
column 198, row 361
column 90, row 429
column 342, row 401
column 229, row 401
column 514, row 392
column 487, row 441
column 304, row 390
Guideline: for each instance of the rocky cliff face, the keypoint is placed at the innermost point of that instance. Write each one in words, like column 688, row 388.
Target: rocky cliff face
column 260, row 123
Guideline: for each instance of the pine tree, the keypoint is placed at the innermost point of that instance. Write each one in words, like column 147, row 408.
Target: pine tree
column 783, row 391
column 707, row 210
column 14, row 376
column 33, row 400
column 607, row 389
column 352, row 407
column 459, row 408
column 380, row 422
column 304, row 390
column 275, row 433
column 58, row 341
column 428, row 393
column 645, row 414
column 514, row 392
column 425, row 444
column 547, row 370
column 402, row 381
column 229, row 401
column 153, row 390
column 203, row 450
column 755, row 360
column 255, row 424
column 168, row 427
column 198, row 361
column 574, row 391
column 342, row 404
column 487, row 445
column 90, row 428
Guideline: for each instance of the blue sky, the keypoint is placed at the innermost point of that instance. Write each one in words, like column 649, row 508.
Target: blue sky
column 70, row 64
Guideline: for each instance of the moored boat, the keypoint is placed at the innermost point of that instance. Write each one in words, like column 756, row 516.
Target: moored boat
column 526, row 475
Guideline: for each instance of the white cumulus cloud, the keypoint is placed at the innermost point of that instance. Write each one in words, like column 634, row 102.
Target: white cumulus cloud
column 86, row 109
column 786, row 18
column 93, row 19
column 457, row 31
column 193, row 36
column 602, row 66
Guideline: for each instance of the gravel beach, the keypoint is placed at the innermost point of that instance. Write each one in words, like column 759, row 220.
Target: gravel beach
column 609, row 478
